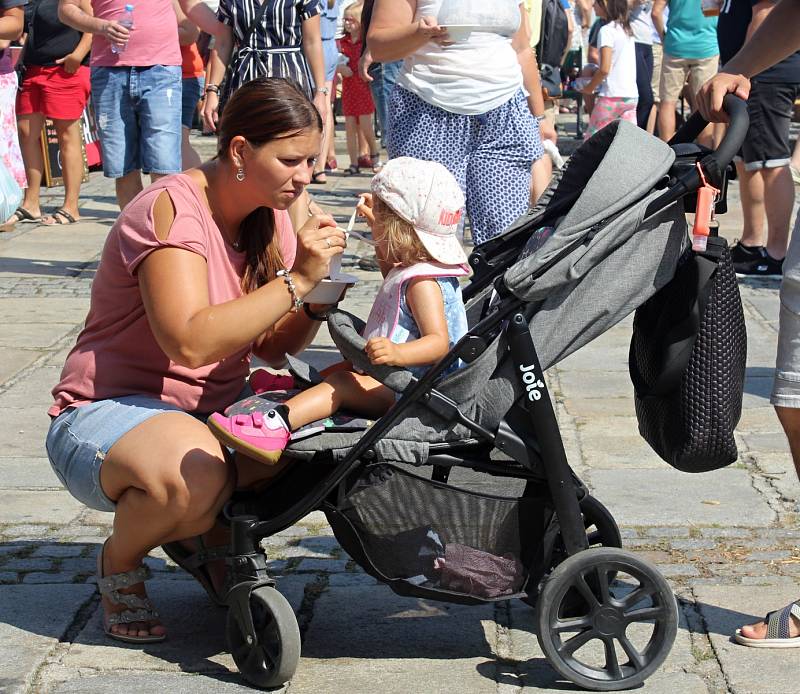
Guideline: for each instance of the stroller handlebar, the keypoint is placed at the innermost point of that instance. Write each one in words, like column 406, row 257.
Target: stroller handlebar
column 739, row 122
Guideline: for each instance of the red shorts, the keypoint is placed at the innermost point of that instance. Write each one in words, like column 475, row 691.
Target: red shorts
column 54, row 92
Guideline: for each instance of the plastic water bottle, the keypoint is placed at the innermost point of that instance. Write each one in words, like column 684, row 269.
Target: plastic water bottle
column 127, row 21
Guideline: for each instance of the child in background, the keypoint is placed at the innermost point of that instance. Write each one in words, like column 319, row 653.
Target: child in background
column 615, row 77
column 357, row 104
column 418, row 314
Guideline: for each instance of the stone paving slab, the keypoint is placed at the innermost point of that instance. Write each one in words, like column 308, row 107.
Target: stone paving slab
column 670, row 497
column 53, row 508
column 402, row 643
column 150, row 683
column 32, row 620
column 23, row 432
column 15, row 360
column 748, row 670
column 27, row 473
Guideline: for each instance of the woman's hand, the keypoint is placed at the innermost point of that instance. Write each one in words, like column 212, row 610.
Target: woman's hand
column 381, row 350
column 318, row 240
column 364, row 209
column 211, row 111
column 429, row 28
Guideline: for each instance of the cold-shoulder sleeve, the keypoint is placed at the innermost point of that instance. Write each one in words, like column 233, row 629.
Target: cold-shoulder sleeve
column 189, row 231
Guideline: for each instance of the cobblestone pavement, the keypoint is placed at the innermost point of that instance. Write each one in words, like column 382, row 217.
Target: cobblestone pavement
column 727, row 540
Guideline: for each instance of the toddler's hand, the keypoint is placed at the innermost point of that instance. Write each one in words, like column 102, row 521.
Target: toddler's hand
column 364, row 209
column 345, row 71
column 381, row 350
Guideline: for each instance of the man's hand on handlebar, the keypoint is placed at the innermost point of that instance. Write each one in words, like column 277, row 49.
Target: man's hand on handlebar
column 709, row 98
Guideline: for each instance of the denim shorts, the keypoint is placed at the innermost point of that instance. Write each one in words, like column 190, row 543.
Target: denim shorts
column 80, row 437
column 138, row 114
column 192, row 91
column 786, row 389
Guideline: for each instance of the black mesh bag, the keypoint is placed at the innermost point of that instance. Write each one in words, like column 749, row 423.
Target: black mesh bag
column 687, row 363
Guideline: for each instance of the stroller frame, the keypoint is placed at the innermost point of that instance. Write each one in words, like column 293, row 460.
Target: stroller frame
column 542, row 452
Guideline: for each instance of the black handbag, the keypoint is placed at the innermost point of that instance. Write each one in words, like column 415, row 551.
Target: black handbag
column 687, row 363
column 550, row 78
column 226, row 88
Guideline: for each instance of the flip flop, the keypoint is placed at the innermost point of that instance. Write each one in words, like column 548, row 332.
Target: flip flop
column 60, row 215
column 25, row 217
column 194, row 563
column 137, row 608
column 778, row 623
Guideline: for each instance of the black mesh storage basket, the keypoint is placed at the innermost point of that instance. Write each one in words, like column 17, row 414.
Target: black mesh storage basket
column 430, row 539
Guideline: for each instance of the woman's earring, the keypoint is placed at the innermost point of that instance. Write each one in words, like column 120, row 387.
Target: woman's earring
column 240, row 174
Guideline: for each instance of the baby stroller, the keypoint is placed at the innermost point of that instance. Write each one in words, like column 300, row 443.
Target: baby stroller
column 606, row 618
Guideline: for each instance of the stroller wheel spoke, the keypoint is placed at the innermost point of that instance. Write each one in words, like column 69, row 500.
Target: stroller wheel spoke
column 636, row 596
column 612, row 662
column 630, row 650
column 572, row 624
column 571, row 645
column 602, row 582
column 644, row 614
column 586, row 591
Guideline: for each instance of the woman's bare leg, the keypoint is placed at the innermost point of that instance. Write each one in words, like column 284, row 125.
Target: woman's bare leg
column 29, row 127
column 170, row 478
column 368, row 131
column 351, row 131
column 327, row 137
column 69, row 142
column 190, row 159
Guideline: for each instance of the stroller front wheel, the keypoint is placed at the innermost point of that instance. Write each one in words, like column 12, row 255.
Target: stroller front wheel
column 624, row 629
column 271, row 660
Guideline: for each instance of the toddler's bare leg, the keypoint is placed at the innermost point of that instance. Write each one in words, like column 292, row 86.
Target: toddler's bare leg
column 360, row 393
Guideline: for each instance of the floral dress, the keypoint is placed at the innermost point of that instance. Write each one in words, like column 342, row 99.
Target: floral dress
column 9, row 142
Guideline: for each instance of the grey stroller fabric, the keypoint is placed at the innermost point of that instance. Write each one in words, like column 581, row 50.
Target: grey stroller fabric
column 619, row 262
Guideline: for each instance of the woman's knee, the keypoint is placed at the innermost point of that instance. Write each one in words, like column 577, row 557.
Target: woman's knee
column 194, row 482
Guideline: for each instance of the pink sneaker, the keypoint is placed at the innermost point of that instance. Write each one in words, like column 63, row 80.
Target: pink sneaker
column 262, row 381
column 259, row 436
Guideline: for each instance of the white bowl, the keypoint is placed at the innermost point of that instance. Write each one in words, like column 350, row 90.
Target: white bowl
column 328, row 291
column 460, row 32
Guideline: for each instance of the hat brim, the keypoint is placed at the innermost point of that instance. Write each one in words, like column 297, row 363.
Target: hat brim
column 445, row 249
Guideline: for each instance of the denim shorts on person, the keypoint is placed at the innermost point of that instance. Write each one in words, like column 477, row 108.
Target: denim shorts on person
column 192, row 90
column 138, row 114
column 786, row 388
column 80, row 437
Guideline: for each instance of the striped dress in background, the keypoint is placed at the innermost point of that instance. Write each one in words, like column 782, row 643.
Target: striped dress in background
column 275, row 49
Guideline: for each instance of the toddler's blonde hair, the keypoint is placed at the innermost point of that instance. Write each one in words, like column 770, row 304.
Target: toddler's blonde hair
column 402, row 243
column 354, row 10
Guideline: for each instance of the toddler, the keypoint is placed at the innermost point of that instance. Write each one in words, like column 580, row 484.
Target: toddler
column 418, row 314
column 615, row 77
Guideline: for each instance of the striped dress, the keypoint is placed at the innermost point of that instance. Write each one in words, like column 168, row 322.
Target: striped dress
column 275, row 48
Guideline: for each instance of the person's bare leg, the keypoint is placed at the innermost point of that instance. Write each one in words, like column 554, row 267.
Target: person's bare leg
column 327, row 136
column 29, row 128
column 541, row 173
column 190, row 159
column 359, row 392
column 368, row 131
column 128, row 187
column 796, row 156
column 751, row 193
column 790, row 421
column 170, row 479
column 69, row 142
column 651, row 119
column 666, row 120
column 351, row 131
column 778, row 204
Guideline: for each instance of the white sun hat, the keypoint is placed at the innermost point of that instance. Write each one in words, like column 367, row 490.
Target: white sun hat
column 427, row 196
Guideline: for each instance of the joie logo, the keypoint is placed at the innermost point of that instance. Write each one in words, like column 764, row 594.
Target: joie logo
column 532, row 383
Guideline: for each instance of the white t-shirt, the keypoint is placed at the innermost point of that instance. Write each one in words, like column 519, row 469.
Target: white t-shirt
column 621, row 80
column 478, row 72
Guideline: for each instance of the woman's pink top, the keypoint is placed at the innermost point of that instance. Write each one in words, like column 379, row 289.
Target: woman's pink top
column 116, row 353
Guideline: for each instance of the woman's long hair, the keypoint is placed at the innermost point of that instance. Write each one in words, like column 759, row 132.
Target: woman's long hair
column 263, row 110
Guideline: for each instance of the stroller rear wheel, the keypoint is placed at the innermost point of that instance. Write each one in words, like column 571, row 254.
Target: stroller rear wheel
column 625, row 628
column 272, row 659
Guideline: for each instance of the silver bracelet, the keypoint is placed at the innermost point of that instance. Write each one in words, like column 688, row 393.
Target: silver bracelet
column 297, row 302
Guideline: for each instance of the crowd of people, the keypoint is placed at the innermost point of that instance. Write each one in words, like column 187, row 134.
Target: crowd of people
column 208, row 266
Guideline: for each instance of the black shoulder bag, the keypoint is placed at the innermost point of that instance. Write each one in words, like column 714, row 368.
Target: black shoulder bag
column 226, row 88
column 687, row 363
